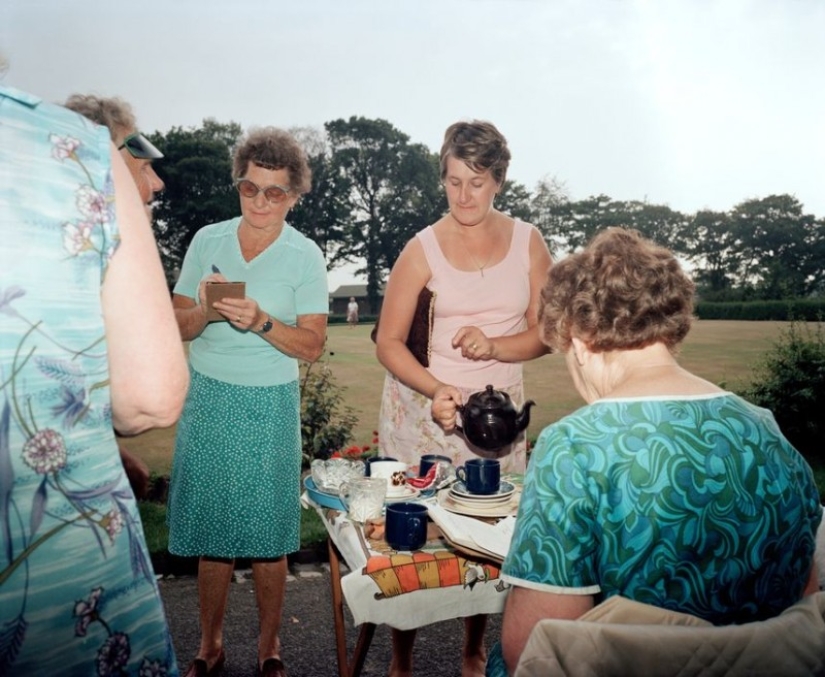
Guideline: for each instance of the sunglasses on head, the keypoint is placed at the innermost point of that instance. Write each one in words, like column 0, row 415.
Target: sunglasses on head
column 140, row 147
column 273, row 193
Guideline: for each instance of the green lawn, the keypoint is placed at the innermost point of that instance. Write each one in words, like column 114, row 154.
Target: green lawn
column 723, row 352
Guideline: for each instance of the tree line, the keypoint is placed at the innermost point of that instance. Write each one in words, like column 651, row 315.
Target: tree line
column 372, row 190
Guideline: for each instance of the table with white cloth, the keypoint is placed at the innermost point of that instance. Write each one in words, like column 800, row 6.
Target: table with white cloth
column 404, row 590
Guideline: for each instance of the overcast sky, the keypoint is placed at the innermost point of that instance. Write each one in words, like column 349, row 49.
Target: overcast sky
column 690, row 103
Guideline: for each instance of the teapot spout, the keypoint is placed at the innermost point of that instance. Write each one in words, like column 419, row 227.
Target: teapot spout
column 523, row 418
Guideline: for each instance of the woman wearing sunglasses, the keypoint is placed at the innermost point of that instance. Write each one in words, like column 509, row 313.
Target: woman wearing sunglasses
column 236, row 470
column 135, row 149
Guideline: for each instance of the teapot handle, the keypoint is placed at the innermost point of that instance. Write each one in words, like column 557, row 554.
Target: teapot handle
column 458, row 427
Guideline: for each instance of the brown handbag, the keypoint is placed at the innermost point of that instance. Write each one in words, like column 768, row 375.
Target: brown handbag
column 421, row 330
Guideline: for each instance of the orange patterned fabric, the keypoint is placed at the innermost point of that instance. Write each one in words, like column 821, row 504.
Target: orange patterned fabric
column 398, row 574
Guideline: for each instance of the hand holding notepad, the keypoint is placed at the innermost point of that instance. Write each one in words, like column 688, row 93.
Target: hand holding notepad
column 215, row 291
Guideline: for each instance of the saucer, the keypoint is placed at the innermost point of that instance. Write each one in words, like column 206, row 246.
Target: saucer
column 405, row 495
column 505, row 490
column 447, row 501
column 473, row 503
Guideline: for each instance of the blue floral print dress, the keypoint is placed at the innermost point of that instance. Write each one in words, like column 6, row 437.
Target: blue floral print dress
column 77, row 592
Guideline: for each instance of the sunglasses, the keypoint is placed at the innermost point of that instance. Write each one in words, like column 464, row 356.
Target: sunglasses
column 274, row 193
column 140, row 147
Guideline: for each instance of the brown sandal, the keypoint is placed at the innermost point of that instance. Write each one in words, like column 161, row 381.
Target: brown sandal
column 272, row 667
column 199, row 667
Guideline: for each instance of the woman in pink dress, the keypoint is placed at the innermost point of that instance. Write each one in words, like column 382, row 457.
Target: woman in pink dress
column 487, row 270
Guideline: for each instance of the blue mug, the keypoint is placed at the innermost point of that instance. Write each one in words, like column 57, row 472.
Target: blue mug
column 480, row 475
column 429, row 460
column 406, row 526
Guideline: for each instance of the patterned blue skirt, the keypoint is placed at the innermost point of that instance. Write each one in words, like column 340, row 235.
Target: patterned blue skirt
column 235, row 486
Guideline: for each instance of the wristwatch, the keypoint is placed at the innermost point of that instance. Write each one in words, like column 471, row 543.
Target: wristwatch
column 266, row 326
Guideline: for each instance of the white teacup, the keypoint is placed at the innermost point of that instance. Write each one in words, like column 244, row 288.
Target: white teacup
column 395, row 472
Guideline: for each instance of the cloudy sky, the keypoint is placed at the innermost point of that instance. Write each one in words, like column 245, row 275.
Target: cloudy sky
column 690, row 103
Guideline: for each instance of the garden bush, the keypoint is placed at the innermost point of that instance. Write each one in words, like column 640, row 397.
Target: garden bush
column 326, row 422
column 790, row 381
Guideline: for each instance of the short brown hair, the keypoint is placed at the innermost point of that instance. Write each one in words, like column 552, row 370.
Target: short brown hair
column 479, row 145
column 273, row 148
column 621, row 292
column 113, row 113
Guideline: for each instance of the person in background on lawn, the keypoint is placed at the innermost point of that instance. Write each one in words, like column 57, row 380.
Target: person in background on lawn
column 487, row 270
column 352, row 312
column 664, row 488
column 138, row 153
column 88, row 342
column 235, row 486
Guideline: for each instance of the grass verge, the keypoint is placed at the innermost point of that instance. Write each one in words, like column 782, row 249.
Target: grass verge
column 153, row 516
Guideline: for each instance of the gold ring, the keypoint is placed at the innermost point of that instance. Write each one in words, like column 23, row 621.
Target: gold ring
column 474, row 345
column 239, row 319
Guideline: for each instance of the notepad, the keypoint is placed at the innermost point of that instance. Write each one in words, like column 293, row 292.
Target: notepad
column 215, row 291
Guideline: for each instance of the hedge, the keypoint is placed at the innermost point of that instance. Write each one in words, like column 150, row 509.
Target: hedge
column 804, row 310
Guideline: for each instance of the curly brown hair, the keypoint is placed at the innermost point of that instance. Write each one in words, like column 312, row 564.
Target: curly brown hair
column 621, row 292
column 112, row 112
column 273, row 148
column 479, row 145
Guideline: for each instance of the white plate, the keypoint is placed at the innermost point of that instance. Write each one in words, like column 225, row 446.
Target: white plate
column 510, row 508
column 405, row 495
column 505, row 489
column 473, row 503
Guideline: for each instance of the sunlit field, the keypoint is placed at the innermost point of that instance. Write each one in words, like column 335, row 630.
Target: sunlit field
column 724, row 352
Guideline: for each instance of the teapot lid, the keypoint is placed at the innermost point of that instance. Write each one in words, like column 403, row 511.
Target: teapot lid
column 490, row 398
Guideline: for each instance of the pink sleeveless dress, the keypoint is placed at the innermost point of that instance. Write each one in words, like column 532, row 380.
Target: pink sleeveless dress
column 495, row 302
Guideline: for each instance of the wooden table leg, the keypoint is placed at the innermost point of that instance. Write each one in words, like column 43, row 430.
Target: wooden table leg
column 365, row 635
column 361, row 648
column 338, row 609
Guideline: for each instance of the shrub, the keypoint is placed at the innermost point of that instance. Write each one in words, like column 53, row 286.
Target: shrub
column 790, row 382
column 326, row 423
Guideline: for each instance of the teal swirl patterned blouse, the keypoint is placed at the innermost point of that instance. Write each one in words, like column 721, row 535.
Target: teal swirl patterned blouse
column 695, row 504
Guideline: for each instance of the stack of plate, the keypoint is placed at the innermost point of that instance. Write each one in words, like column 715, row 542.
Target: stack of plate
column 462, row 496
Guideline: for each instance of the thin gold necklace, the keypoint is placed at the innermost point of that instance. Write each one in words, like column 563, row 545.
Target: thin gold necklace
column 480, row 267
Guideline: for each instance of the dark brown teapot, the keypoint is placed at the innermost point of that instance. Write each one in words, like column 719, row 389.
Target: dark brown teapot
column 490, row 421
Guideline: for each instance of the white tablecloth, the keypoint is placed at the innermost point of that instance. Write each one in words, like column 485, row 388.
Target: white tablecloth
column 409, row 590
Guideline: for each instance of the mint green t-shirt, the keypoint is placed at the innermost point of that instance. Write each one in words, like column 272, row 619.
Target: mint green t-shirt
column 287, row 279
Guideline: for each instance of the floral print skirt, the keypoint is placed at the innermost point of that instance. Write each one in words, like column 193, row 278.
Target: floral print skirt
column 407, row 430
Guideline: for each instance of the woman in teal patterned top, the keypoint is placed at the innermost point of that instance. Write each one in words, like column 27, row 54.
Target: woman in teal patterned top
column 664, row 489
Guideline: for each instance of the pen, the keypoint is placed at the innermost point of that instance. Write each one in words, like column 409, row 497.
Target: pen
column 215, row 269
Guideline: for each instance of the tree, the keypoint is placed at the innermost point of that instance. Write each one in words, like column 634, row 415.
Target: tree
column 711, row 247
column 575, row 223
column 393, row 189
column 323, row 213
column 514, row 199
column 549, row 207
column 197, row 172
column 780, row 247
